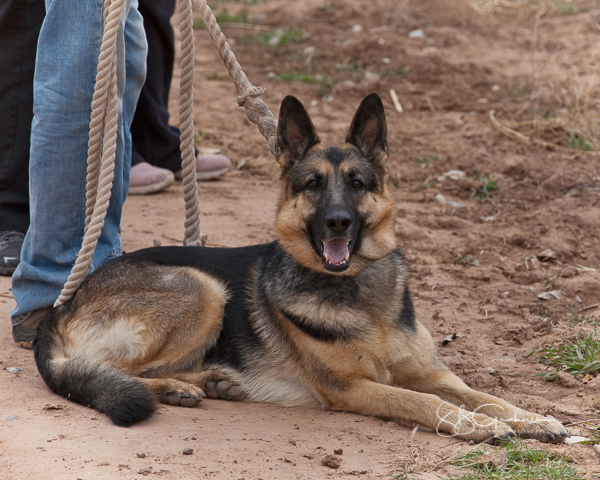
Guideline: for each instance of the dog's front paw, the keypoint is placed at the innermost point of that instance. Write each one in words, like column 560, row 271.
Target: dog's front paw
column 545, row 429
column 475, row 427
column 224, row 389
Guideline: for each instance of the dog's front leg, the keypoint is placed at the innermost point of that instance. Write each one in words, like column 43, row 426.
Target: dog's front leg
column 414, row 408
column 448, row 386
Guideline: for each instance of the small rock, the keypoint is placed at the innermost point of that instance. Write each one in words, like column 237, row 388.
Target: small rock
column 141, row 455
column 372, row 77
column 452, row 175
column 10, row 418
column 331, row 461
column 440, row 198
column 13, row 369
column 357, row 28
column 291, row 441
column 419, row 33
column 597, row 451
column 156, row 242
column 188, row 451
column 40, row 448
column 554, row 294
column 338, row 451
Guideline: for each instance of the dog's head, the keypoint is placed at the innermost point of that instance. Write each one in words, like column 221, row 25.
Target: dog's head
column 334, row 214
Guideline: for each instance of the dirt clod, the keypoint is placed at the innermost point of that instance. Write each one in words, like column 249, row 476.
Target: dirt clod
column 331, row 461
column 567, row 380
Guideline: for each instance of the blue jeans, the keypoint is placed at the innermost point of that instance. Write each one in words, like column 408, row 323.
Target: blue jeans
column 65, row 74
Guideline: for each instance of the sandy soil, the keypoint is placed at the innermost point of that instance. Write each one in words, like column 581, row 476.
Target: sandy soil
column 478, row 262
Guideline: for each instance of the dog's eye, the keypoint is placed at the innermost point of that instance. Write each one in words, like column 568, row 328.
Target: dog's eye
column 312, row 184
column 357, row 184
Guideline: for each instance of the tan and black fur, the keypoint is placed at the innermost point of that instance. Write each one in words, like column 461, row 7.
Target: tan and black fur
column 322, row 317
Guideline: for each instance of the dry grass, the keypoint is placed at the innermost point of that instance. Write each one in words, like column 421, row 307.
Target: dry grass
column 527, row 8
column 415, row 459
column 561, row 110
column 393, row 12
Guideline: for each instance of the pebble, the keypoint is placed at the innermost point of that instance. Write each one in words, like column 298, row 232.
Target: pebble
column 10, row 418
column 339, row 451
column 141, row 455
column 13, row 369
column 419, row 33
column 188, row 451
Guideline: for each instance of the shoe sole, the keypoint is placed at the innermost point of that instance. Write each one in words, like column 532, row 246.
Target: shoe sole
column 209, row 175
column 7, row 270
column 152, row 188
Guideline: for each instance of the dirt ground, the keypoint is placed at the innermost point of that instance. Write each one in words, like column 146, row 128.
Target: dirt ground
column 514, row 222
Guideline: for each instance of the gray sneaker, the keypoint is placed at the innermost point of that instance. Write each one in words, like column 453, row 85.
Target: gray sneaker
column 10, row 250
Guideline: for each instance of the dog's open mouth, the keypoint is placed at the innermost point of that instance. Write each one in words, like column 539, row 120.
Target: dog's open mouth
column 336, row 253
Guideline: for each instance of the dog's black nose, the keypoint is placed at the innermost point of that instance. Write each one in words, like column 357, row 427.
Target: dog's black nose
column 338, row 221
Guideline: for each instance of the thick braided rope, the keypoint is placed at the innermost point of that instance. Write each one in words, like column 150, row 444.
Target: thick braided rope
column 256, row 110
column 97, row 119
column 186, row 125
column 106, row 114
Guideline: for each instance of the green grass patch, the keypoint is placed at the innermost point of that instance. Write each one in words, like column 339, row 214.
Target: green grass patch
column 324, row 84
column 295, row 76
column 484, row 192
column 565, row 8
column 467, row 259
column 577, row 357
column 579, row 143
column 353, row 66
column 579, row 319
column 223, row 16
column 395, row 72
column 515, row 461
column 427, row 159
column 279, row 38
column 214, row 76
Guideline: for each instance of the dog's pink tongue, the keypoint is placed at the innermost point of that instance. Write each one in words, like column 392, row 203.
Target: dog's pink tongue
column 336, row 249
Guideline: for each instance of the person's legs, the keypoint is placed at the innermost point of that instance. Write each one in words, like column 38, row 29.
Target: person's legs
column 156, row 144
column 155, row 141
column 20, row 24
column 63, row 90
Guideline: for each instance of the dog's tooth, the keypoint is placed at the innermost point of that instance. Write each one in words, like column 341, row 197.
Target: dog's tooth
column 347, row 257
column 326, row 257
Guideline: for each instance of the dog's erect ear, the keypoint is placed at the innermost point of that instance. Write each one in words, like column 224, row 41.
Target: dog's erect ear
column 368, row 130
column 295, row 131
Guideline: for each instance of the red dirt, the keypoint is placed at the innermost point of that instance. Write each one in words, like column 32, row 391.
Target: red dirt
column 477, row 268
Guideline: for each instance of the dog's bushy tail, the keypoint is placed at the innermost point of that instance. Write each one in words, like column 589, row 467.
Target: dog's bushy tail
column 116, row 394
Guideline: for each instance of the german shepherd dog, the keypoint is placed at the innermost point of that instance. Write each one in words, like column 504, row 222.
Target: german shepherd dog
column 322, row 317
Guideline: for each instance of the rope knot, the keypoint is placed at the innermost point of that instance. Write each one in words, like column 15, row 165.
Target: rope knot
column 251, row 91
